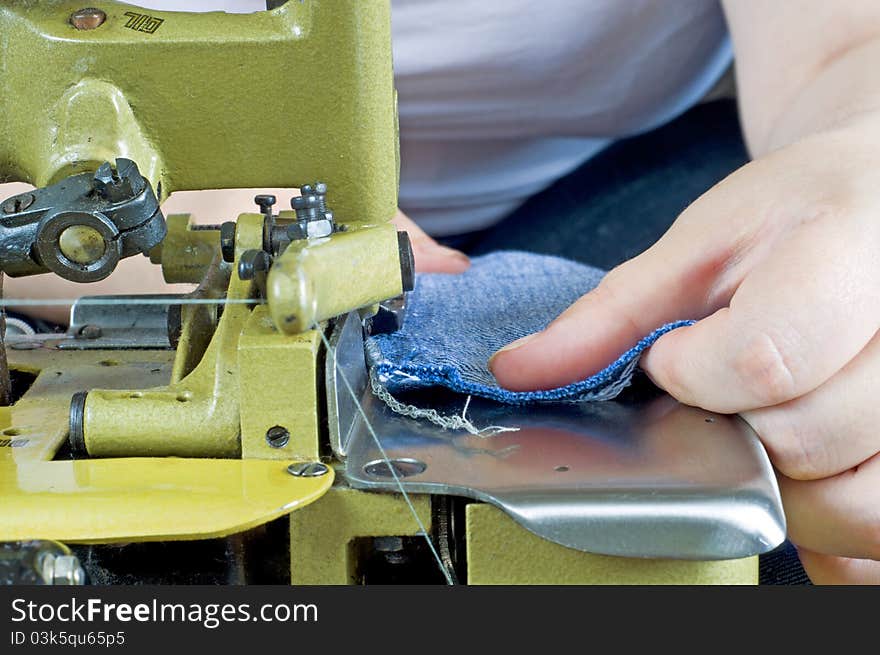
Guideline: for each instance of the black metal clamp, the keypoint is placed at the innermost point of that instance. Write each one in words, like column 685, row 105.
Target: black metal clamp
column 82, row 226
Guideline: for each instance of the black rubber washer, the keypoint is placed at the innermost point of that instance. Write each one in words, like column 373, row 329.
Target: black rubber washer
column 407, row 261
column 77, row 435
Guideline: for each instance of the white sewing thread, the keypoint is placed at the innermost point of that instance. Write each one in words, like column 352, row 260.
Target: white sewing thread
column 451, row 422
column 331, row 352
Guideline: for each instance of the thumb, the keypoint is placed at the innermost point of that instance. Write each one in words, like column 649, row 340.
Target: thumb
column 670, row 281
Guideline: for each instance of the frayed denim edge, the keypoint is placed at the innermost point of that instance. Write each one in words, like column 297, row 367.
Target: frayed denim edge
column 611, row 380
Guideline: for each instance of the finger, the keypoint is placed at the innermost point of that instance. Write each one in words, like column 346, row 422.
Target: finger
column 829, row 430
column 832, row 570
column 838, row 515
column 429, row 255
column 689, row 273
column 796, row 319
column 668, row 282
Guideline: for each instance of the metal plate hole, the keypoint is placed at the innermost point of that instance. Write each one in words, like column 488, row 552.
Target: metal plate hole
column 404, row 468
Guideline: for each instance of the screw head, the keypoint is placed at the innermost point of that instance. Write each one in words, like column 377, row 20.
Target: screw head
column 90, row 332
column 265, row 202
column 252, row 263
column 88, row 18
column 278, row 436
column 308, row 469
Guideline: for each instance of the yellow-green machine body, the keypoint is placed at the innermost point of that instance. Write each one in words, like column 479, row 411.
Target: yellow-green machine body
column 226, row 430
column 205, row 101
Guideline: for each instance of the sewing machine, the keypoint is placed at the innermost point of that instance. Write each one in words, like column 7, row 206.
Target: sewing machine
column 230, row 434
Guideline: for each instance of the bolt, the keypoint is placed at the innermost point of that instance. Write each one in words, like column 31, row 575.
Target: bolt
column 120, row 182
column 253, row 262
column 298, row 204
column 392, row 549
column 277, row 437
column 266, row 203
column 62, row 570
column 311, row 207
column 67, row 571
column 90, row 332
column 88, row 18
column 106, row 176
column 321, row 193
column 388, row 544
column 227, row 241
column 18, row 204
column 307, row 469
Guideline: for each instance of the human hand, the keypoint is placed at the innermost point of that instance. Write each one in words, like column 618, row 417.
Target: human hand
column 780, row 265
column 430, row 256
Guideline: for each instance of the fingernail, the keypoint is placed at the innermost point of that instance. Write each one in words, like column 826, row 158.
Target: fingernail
column 517, row 344
column 511, row 346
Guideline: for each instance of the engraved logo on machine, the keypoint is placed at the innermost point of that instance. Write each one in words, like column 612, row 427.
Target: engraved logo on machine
column 143, row 22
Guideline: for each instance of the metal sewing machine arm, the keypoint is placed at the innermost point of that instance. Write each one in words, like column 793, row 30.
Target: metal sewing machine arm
column 107, row 111
column 112, row 83
column 82, row 88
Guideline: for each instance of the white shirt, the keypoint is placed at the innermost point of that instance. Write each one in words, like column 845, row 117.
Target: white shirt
column 500, row 98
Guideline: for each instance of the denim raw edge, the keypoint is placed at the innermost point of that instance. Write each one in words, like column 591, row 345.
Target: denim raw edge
column 604, row 385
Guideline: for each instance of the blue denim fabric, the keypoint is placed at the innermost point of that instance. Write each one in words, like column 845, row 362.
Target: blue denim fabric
column 454, row 323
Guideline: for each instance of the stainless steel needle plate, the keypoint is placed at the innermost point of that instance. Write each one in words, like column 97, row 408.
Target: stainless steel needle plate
column 650, row 478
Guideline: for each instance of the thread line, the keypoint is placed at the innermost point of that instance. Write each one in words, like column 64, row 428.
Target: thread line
column 422, row 530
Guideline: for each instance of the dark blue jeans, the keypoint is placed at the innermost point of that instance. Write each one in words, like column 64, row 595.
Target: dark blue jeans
column 623, row 200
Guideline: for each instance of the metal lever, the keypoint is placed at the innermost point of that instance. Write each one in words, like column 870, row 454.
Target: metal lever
column 82, row 226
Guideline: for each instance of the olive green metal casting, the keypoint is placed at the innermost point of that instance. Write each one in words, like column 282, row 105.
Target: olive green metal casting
column 205, row 101
column 314, row 280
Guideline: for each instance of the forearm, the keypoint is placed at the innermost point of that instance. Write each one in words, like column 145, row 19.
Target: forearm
column 803, row 67
column 845, row 93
